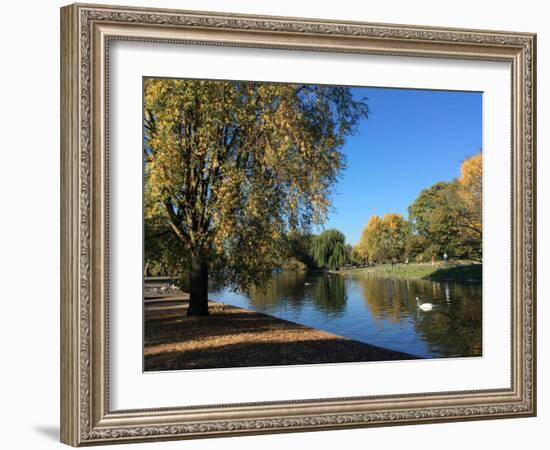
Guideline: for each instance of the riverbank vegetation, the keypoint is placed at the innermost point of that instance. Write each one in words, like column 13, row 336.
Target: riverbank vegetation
column 462, row 271
column 238, row 175
column 444, row 223
column 441, row 240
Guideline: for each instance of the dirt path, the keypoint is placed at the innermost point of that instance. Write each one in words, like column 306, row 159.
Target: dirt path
column 236, row 337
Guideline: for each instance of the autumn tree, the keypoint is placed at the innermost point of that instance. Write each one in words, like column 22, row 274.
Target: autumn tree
column 469, row 205
column 371, row 246
column 383, row 238
column 353, row 257
column 433, row 217
column 230, row 167
column 447, row 216
column 470, row 183
column 415, row 245
column 396, row 231
column 164, row 253
column 298, row 251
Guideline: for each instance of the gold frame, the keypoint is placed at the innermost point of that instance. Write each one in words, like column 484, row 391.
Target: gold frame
column 86, row 31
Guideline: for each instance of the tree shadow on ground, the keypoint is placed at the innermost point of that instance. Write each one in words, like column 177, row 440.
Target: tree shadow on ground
column 235, row 337
column 465, row 273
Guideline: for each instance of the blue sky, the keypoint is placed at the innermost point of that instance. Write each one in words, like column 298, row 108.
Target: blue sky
column 411, row 140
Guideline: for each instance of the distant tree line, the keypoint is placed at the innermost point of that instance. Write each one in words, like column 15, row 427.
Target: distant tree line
column 445, row 218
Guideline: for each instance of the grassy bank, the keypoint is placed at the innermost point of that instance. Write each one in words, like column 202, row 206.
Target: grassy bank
column 452, row 272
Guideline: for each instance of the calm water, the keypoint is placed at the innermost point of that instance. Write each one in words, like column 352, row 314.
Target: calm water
column 378, row 311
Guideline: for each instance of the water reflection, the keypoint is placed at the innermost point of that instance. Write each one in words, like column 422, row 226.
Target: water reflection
column 294, row 290
column 329, row 294
column 376, row 310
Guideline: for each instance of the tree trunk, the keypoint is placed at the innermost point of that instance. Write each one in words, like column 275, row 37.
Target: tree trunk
column 198, row 287
column 146, row 269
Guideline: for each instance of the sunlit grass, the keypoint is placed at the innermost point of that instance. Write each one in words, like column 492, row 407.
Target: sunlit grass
column 455, row 271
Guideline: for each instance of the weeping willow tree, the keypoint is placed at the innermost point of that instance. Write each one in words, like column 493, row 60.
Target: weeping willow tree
column 329, row 249
column 231, row 167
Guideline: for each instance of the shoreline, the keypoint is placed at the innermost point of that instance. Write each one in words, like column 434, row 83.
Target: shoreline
column 236, row 337
column 460, row 273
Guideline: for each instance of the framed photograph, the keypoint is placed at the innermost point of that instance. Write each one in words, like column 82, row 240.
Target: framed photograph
column 276, row 224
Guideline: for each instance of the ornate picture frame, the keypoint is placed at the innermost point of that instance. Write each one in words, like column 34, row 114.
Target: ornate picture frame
column 86, row 34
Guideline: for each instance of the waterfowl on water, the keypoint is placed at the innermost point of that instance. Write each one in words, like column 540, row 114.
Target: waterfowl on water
column 424, row 306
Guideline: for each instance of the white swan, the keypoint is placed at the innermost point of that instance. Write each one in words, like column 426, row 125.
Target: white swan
column 424, row 306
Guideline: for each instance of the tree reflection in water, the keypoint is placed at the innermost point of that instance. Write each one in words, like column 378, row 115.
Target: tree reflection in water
column 325, row 291
column 452, row 328
column 379, row 311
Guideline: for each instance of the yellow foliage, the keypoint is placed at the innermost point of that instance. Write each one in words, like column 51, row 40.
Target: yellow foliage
column 471, row 190
column 231, row 166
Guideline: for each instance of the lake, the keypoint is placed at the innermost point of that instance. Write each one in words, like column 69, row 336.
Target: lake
column 378, row 311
